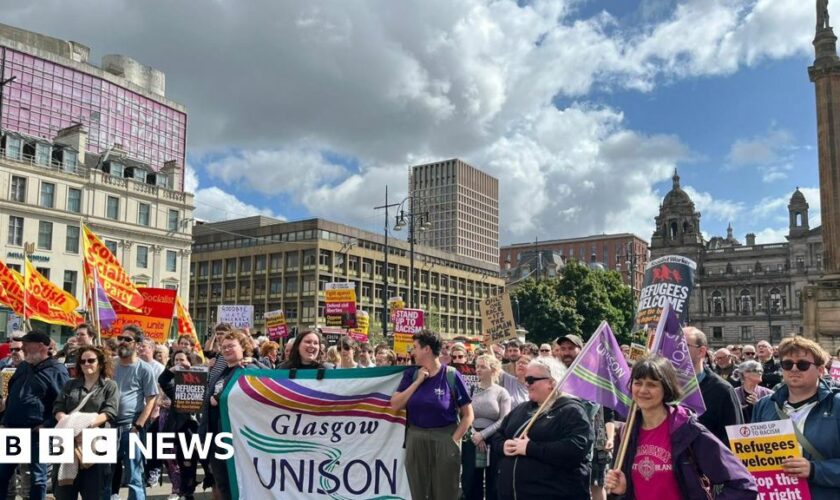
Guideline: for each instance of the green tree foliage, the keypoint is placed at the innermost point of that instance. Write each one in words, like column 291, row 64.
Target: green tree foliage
column 575, row 302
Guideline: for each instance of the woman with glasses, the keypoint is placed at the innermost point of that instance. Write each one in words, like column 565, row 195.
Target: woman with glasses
column 347, row 353
column 670, row 455
column 439, row 414
column 749, row 392
column 88, row 401
column 491, row 403
column 515, row 385
column 550, row 460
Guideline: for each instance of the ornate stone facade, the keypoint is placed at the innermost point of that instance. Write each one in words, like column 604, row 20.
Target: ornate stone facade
column 744, row 292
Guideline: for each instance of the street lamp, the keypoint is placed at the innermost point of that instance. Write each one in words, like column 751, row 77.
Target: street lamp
column 415, row 220
column 630, row 258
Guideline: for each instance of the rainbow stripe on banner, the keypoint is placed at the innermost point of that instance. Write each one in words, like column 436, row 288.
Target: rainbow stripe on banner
column 288, row 395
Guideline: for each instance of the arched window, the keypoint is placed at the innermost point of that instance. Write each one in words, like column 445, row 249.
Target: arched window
column 674, row 230
column 686, row 227
column 797, row 219
column 717, row 303
column 776, row 301
column 746, row 302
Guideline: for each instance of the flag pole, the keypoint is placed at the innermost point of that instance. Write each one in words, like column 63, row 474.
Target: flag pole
column 556, row 392
column 628, row 428
column 95, row 296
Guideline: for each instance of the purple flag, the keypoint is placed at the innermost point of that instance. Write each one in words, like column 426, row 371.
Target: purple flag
column 600, row 373
column 670, row 343
column 106, row 312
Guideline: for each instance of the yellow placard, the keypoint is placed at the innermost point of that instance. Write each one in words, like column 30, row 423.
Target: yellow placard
column 402, row 343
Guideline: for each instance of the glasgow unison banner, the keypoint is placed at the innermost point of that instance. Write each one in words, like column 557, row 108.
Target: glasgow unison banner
column 335, row 438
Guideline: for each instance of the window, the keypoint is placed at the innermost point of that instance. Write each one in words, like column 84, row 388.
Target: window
column 45, row 271
column 13, row 147
column 259, row 263
column 15, row 230
column 43, row 154
column 245, row 264
column 217, row 268
column 18, row 189
column 45, row 235
column 172, row 221
column 70, row 282
column 71, row 243
column 112, row 246
column 69, row 160
column 746, row 333
column 74, row 200
column 717, row 332
column 171, row 261
column 117, row 169
column 203, row 268
column 143, row 213
column 112, row 210
column 230, row 266
column 47, row 195
column 142, row 257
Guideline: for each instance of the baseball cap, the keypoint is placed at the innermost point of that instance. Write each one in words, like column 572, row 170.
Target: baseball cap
column 574, row 339
column 36, row 336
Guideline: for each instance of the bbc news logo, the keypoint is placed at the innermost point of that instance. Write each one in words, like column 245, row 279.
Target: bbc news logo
column 99, row 446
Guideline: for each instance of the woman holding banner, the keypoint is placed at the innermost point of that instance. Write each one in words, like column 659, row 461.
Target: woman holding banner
column 551, row 459
column 305, row 352
column 670, row 455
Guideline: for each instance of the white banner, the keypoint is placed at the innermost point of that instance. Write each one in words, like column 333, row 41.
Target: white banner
column 335, row 438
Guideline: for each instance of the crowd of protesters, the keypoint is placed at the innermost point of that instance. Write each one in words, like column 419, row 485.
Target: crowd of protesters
column 471, row 441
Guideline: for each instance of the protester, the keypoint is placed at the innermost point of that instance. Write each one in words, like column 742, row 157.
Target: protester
column 550, row 460
column 89, row 400
column 386, row 357
column 772, row 370
column 515, row 384
column 669, row 451
column 138, row 395
column 162, row 354
column 366, row 359
column 738, row 352
column 725, row 367
column 545, row 350
column 32, row 391
column 512, row 353
column 347, row 353
column 750, row 391
column 184, row 482
column 268, row 354
column 491, row 403
column 625, row 350
column 307, row 347
column 233, row 345
column 458, row 353
column 332, row 356
column 146, row 349
column 435, row 396
column 747, row 352
column 287, row 348
column 15, row 353
column 569, row 347
column 444, row 357
column 530, row 349
column 722, row 406
column 814, row 408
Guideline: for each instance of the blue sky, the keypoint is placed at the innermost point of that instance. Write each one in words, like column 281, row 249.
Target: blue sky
column 581, row 108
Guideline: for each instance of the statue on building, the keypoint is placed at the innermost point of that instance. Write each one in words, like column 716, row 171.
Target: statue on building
column 822, row 15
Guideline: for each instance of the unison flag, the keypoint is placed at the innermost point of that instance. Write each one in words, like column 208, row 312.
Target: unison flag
column 600, row 373
column 118, row 286
column 670, row 343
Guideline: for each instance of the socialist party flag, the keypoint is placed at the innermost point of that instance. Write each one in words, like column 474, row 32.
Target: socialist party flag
column 115, row 281
column 670, row 343
column 600, row 373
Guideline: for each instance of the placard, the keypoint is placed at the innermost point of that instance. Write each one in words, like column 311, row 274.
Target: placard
column 395, row 303
column 190, row 385
column 668, row 279
column 360, row 333
column 762, row 447
column 834, row 370
column 155, row 317
column 235, row 315
column 275, row 325
column 409, row 321
column 340, row 310
column 5, row 376
column 402, row 343
column 497, row 318
column 637, row 351
column 468, row 373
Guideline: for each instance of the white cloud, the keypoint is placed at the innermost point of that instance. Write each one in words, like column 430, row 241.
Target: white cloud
column 709, row 207
column 761, row 150
column 771, row 235
column 214, row 204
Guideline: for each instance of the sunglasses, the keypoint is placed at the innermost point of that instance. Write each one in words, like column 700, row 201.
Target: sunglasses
column 88, row 361
column 459, row 356
column 530, row 380
column 125, row 339
column 15, row 349
column 749, row 354
column 545, row 350
column 801, row 365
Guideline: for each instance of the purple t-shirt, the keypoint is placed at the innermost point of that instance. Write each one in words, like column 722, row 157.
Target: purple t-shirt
column 431, row 404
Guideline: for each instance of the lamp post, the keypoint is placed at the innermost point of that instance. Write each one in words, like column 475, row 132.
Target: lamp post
column 771, row 304
column 411, row 218
column 630, row 258
column 385, row 297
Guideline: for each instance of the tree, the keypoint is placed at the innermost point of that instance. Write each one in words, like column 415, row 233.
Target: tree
column 543, row 313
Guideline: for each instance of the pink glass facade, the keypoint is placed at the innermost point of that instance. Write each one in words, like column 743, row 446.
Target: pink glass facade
column 46, row 97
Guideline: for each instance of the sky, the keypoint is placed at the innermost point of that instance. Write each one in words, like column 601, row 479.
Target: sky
column 582, row 109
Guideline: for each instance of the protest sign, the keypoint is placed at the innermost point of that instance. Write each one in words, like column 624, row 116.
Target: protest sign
column 340, row 307
column 407, row 322
column 497, row 318
column 360, row 333
column 275, row 325
column 834, row 371
column 190, row 385
column 307, row 438
column 637, row 351
column 155, row 316
column 763, row 447
column 235, row 315
column 469, row 375
column 668, row 279
column 395, row 303
column 5, row 376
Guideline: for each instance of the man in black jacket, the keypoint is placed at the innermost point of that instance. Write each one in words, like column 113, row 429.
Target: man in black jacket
column 33, row 389
column 722, row 406
column 772, row 375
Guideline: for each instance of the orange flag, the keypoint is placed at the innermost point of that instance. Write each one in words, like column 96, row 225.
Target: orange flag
column 37, row 307
column 12, row 289
column 41, row 288
column 118, row 286
column 186, row 326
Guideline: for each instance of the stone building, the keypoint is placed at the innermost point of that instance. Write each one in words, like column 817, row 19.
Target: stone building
column 744, row 292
